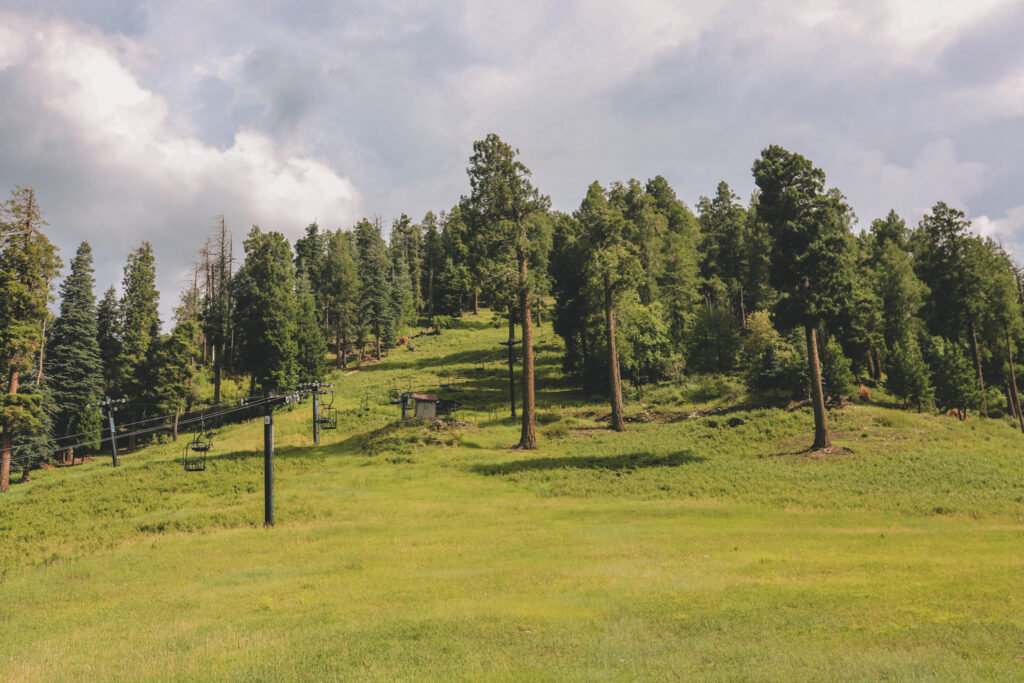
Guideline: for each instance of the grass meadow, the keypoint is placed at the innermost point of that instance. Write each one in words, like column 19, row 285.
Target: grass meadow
column 701, row 543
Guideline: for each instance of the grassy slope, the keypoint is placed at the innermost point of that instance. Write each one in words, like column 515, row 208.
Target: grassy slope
column 689, row 548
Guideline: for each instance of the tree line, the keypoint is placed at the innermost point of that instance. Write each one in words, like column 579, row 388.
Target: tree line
column 779, row 290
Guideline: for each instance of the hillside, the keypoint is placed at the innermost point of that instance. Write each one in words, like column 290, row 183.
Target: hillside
column 703, row 542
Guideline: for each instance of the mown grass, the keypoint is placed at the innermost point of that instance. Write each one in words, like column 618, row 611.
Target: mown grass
column 707, row 547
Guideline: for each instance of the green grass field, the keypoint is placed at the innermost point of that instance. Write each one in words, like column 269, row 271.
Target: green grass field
column 707, row 547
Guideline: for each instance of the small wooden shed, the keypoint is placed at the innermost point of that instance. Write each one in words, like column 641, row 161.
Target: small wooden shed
column 419, row 405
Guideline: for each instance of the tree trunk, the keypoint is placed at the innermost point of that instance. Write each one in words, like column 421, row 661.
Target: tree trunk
column 42, row 348
column 1013, row 385
column 511, row 363
column 743, row 311
column 12, row 382
column 817, row 398
column 871, row 364
column 878, row 365
column 430, row 293
column 476, row 302
column 613, row 359
column 977, row 364
column 338, row 362
column 174, row 429
column 218, row 361
column 528, row 439
column 5, row 466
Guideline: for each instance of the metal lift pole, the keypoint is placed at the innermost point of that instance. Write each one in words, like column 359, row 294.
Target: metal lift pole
column 316, row 416
column 268, row 465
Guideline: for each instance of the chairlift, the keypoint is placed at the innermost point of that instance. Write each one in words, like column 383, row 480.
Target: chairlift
column 364, row 404
column 394, row 396
column 193, row 457
column 328, row 417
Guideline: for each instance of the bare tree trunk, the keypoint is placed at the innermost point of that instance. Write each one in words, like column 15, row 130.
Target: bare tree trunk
column 613, row 359
column 174, row 429
column 871, row 364
column 511, row 363
column 218, row 361
column 817, row 397
column 528, row 439
column 1013, row 385
column 476, row 302
column 977, row 364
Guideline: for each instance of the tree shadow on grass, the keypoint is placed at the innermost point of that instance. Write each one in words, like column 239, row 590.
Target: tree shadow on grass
column 626, row 462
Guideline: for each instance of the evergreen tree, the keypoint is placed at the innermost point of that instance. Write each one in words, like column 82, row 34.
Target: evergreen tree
column 174, row 371
column 140, row 324
column 264, row 311
column 809, row 268
column 342, row 290
column 28, row 264
column 216, row 300
column 407, row 245
column 402, row 297
column 501, row 197
column 433, row 259
column 108, row 335
column 75, row 367
column 907, row 374
column 615, row 265
column 724, row 251
column 375, row 304
column 312, row 357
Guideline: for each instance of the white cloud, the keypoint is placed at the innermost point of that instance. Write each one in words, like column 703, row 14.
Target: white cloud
column 97, row 127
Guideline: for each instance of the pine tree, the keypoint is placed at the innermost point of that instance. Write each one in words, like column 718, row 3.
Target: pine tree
column 108, row 336
column 342, row 279
column 375, row 306
column 402, row 298
column 907, row 374
column 309, row 340
column 264, row 312
column 28, row 264
column 501, row 197
column 75, row 367
column 809, row 264
column 433, row 259
column 614, row 263
column 173, row 372
column 140, row 323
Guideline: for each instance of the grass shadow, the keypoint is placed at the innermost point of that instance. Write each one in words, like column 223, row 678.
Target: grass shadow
column 625, row 462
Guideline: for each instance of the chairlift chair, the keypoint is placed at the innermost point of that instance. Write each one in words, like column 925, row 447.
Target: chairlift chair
column 328, row 417
column 193, row 457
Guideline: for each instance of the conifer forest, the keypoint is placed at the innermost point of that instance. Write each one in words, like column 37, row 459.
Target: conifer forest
column 788, row 291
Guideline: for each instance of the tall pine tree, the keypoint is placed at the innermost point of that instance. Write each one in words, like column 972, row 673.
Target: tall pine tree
column 75, row 367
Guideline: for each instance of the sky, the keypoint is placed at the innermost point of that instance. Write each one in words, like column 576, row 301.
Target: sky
column 145, row 120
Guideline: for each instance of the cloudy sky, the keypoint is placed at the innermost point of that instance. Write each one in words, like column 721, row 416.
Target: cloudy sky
column 144, row 120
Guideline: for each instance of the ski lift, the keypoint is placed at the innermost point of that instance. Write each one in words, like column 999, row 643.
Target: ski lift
column 394, row 396
column 328, row 417
column 364, row 404
column 193, row 457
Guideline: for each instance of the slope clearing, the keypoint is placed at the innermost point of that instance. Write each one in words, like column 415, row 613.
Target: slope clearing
column 706, row 547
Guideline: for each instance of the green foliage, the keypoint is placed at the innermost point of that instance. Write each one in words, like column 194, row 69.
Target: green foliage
column 907, row 374
column 73, row 361
column 644, row 344
column 28, row 264
column 952, row 375
column 139, row 326
column 311, row 349
column 174, row 370
column 265, row 312
column 108, row 335
column 836, row 376
column 376, row 315
column 713, row 343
